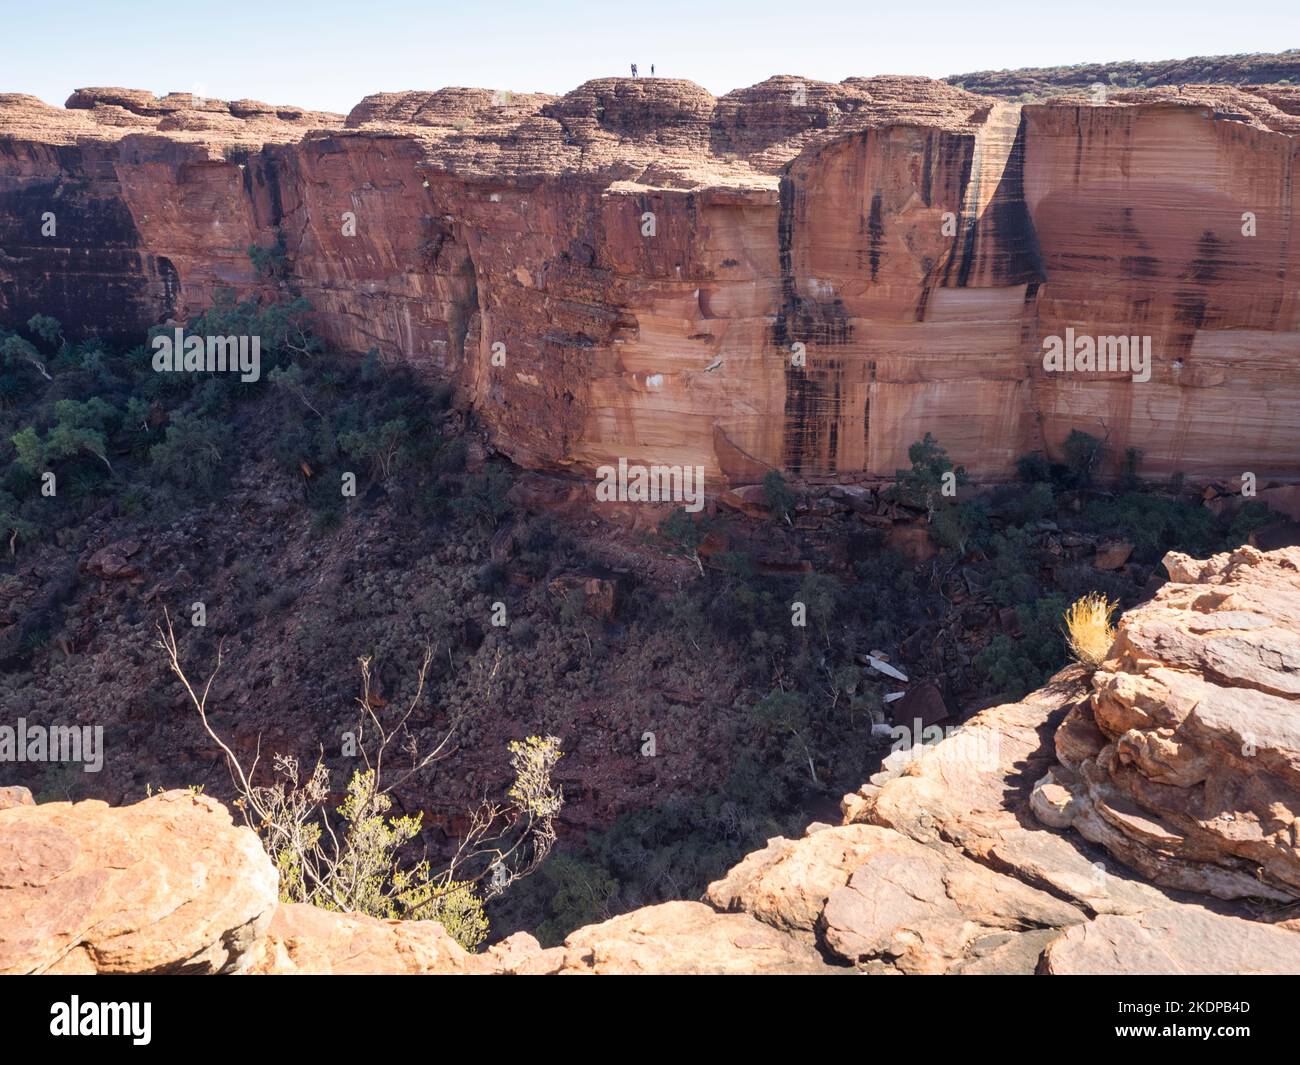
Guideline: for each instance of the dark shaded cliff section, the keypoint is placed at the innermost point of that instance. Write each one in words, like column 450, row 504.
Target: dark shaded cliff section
column 70, row 248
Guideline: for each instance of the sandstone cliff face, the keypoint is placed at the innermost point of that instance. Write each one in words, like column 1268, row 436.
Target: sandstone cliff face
column 1135, row 243
column 646, row 257
column 974, row 855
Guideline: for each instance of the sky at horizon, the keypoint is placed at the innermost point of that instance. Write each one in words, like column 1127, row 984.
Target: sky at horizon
column 329, row 54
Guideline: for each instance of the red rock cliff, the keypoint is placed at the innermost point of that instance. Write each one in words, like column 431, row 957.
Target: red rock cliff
column 649, row 256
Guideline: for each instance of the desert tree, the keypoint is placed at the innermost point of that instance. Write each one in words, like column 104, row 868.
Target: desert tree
column 778, row 495
column 358, row 856
column 683, row 534
column 923, row 485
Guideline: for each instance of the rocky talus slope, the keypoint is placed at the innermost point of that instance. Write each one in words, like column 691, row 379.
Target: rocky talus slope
column 1142, row 820
column 642, row 259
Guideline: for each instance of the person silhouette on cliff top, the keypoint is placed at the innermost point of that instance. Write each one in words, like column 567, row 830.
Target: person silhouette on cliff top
column 634, row 70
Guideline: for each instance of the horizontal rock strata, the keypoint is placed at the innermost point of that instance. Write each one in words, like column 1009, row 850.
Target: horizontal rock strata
column 647, row 257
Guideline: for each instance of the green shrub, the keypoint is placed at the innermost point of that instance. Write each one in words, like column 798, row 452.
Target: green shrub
column 580, row 892
column 1015, row 557
column 922, row 486
column 778, row 496
column 270, row 262
column 1156, row 523
column 195, row 454
column 1021, row 505
column 683, row 533
column 1016, row 667
column 380, row 446
column 483, row 502
column 14, row 528
column 1083, row 456
column 1034, row 468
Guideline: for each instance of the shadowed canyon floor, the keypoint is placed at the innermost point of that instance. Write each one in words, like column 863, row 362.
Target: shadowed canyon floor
column 940, row 865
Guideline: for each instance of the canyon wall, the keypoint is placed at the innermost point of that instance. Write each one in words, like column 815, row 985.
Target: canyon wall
column 797, row 275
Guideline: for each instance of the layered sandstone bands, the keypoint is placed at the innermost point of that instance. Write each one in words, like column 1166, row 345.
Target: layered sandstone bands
column 918, row 240
column 1142, row 820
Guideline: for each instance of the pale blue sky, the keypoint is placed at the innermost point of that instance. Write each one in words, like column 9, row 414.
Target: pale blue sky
column 328, row 54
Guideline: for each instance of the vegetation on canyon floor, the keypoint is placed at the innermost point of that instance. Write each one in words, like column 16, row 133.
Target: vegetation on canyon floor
column 355, row 858
column 230, row 493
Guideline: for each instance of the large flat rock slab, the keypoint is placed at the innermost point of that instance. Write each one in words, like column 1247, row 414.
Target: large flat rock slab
column 1174, row 941
column 684, row 938
column 305, row 940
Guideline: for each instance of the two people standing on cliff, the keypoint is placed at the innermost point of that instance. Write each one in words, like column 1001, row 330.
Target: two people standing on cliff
column 652, row 70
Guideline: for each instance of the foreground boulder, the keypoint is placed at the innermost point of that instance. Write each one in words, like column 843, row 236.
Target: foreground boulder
column 671, row 938
column 168, row 885
column 1174, row 941
column 685, row 938
column 879, row 899
column 306, row 940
